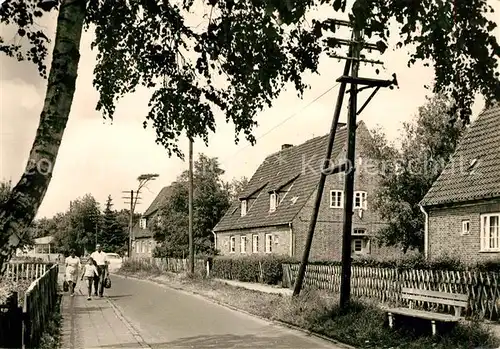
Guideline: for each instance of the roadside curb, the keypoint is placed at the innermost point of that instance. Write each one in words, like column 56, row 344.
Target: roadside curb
column 270, row 321
column 127, row 324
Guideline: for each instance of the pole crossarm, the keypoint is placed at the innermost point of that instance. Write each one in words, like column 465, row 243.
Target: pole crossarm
column 345, row 42
column 349, row 58
column 365, row 81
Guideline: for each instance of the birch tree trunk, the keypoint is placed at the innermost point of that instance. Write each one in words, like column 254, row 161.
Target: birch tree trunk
column 25, row 199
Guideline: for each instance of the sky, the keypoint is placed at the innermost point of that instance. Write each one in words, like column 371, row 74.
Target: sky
column 105, row 158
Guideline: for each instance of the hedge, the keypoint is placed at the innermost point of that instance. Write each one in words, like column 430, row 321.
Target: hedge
column 262, row 269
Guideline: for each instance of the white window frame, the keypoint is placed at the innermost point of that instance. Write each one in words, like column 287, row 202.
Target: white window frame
column 466, row 227
column 488, row 235
column 365, row 245
column 243, row 244
column 273, row 202
column 232, row 244
column 269, row 243
column 143, row 247
column 255, row 243
column 334, row 195
column 362, row 196
column 358, row 232
column 143, row 223
column 243, row 208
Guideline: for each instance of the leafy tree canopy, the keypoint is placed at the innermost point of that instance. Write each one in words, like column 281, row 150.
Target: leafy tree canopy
column 409, row 170
column 211, row 199
column 244, row 52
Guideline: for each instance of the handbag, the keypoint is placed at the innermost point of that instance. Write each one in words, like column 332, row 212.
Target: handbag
column 65, row 286
column 107, row 282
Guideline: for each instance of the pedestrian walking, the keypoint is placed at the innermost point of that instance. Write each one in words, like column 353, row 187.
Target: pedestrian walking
column 90, row 273
column 99, row 256
column 73, row 265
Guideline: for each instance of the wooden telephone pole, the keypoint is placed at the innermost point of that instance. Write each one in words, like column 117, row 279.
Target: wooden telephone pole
column 356, row 44
column 190, row 232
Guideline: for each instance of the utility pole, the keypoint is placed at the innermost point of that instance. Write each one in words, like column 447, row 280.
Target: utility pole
column 190, row 232
column 353, row 58
column 345, row 284
column 134, row 196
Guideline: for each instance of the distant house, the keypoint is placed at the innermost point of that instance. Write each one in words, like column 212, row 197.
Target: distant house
column 143, row 242
column 463, row 206
column 42, row 248
column 273, row 213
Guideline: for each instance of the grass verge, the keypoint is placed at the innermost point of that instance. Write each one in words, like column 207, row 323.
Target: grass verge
column 363, row 325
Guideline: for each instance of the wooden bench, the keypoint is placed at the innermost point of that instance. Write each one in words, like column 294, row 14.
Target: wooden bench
column 458, row 301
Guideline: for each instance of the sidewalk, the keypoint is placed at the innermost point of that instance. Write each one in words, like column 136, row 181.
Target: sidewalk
column 258, row 287
column 94, row 323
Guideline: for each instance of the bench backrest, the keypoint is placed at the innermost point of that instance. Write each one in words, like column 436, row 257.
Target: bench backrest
column 456, row 300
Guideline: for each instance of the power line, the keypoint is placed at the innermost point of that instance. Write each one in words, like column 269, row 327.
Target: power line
column 285, row 120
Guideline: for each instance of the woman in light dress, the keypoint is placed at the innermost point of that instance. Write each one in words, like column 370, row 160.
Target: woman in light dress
column 72, row 268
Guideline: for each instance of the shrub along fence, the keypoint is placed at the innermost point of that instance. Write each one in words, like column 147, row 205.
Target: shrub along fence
column 384, row 284
column 261, row 269
column 24, row 326
column 174, row 265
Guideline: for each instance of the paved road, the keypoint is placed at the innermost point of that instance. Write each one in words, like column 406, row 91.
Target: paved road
column 167, row 318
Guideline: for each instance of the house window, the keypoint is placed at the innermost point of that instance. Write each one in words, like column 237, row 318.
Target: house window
column 232, row 243
column 490, row 230
column 360, row 199
column 359, row 232
column 336, row 199
column 466, row 227
column 273, row 202
column 137, row 247
column 361, row 245
column 143, row 223
column 243, row 208
column 255, row 243
column 269, row 243
column 243, row 244
column 143, row 246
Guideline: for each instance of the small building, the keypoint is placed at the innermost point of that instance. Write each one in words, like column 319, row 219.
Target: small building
column 462, row 208
column 273, row 213
column 42, row 248
column 143, row 242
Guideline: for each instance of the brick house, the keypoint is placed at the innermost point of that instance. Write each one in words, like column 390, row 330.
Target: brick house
column 273, row 213
column 462, row 208
column 143, row 242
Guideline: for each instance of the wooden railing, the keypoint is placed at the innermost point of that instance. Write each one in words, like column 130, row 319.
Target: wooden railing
column 384, row 284
column 17, row 271
column 39, row 302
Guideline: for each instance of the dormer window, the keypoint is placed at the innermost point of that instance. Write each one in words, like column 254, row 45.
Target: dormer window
column 143, row 223
column 243, row 208
column 273, row 202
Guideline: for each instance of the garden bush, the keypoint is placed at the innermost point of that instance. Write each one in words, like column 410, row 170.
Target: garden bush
column 263, row 269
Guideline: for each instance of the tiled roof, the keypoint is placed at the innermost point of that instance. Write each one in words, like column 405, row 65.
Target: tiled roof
column 299, row 165
column 473, row 172
column 138, row 232
column 159, row 201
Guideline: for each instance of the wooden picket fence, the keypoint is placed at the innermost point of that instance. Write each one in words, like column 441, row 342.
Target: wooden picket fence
column 39, row 302
column 17, row 271
column 175, row 265
column 24, row 326
column 384, row 284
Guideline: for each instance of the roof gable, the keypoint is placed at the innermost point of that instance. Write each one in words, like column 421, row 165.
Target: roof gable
column 159, row 201
column 294, row 173
column 473, row 172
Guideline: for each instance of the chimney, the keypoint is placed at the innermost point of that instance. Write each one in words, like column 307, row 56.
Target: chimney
column 286, row 146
